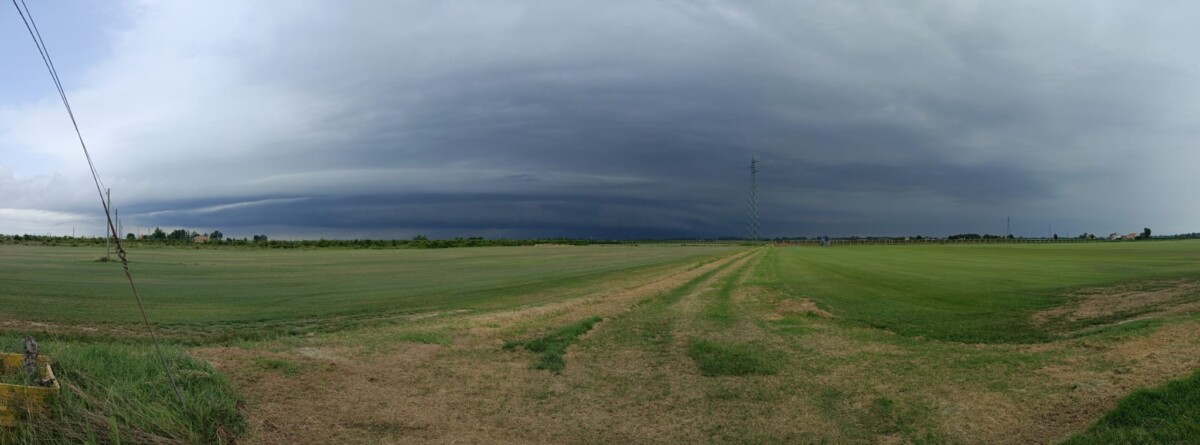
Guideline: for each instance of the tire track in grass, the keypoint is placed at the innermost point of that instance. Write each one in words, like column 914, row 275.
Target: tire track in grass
column 719, row 309
column 554, row 345
column 727, row 343
column 607, row 302
column 649, row 354
column 628, row 378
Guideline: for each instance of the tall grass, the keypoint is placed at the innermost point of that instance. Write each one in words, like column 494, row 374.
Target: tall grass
column 114, row 393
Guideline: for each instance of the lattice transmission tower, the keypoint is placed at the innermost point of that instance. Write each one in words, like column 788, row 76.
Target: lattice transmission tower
column 752, row 206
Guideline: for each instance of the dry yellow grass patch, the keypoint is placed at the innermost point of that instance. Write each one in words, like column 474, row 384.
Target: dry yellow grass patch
column 1146, row 299
column 803, row 306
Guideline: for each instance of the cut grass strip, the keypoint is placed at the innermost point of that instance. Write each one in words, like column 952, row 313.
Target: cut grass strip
column 1165, row 414
column 552, row 346
column 720, row 309
column 652, row 322
column 727, row 358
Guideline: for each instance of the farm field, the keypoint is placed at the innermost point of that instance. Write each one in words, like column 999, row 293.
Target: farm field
column 247, row 292
column 653, row 344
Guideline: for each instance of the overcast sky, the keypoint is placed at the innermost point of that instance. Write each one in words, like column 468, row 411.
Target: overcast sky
column 605, row 119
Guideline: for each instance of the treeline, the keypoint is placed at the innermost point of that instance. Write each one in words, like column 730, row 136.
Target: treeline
column 978, row 236
column 419, row 242
column 216, row 239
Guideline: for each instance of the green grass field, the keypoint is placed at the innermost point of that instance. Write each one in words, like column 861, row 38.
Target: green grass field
column 910, row 344
column 259, row 292
column 970, row 293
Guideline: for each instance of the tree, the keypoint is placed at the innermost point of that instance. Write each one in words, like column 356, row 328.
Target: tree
column 158, row 234
column 130, row 237
column 179, row 235
column 1145, row 233
column 216, row 235
column 260, row 238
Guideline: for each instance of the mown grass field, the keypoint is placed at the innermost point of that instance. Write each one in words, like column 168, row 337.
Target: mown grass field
column 866, row 344
column 249, row 292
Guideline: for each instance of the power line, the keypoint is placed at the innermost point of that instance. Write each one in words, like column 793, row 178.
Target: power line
column 36, row 35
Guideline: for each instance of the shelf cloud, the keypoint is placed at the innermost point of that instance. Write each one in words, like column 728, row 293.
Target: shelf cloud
column 610, row 120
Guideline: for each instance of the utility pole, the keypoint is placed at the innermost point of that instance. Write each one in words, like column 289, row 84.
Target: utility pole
column 752, row 205
column 107, row 234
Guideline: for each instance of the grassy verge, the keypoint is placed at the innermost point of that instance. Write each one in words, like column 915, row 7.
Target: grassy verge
column 552, row 346
column 119, row 394
column 1165, row 414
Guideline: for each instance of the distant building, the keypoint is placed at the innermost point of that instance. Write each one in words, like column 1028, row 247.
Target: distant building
column 1130, row 236
column 1114, row 236
column 199, row 239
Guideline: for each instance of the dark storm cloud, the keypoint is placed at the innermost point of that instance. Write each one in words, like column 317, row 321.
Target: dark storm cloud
column 451, row 215
column 636, row 118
